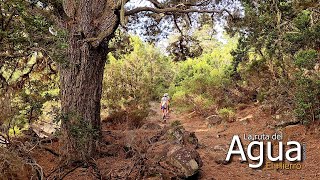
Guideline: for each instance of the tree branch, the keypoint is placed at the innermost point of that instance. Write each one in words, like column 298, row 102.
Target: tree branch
column 6, row 25
column 202, row 3
column 170, row 11
column 3, row 82
column 176, row 24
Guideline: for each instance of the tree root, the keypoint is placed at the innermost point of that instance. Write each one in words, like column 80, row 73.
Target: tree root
column 50, row 150
column 38, row 170
column 68, row 172
column 66, row 168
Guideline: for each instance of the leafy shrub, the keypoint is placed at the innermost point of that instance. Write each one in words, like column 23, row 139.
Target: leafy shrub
column 129, row 119
column 175, row 123
column 227, row 114
column 201, row 104
column 307, row 99
column 200, row 83
column 306, row 58
column 302, row 21
column 270, row 49
column 192, row 102
column 136, row 118
column 22, row 100
column 180, row 100
column 132, row 80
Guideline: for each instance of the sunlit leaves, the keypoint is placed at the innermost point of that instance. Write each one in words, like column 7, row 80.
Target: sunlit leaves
column 306, row 59
column 137, row 77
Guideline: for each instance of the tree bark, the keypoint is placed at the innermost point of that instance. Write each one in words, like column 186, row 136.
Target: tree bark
column 90, row 25
column 81, row 88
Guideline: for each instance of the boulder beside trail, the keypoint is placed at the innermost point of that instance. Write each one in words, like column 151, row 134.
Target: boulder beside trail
column 179, row 135
column 165, row 153
column 187, row 160
column 213, row 120
column 175, row 152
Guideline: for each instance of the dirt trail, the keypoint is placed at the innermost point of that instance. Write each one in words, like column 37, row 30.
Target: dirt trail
column 215, row 142
column 155, row 115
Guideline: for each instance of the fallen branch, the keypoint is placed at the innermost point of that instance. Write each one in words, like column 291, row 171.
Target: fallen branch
column 70, row 171
column 285, row 124
column 50, row 150
column 38, row 169
column 58, row 168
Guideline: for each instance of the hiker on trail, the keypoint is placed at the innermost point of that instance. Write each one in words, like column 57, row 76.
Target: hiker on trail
column 164, row 105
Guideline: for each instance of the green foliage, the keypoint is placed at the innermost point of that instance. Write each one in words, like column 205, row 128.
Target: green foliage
column 261, row 96
column 198, row 81
column 136, row 78
column 121, row 44
column 227, row 114
column 279, row 42
column 302, row 21
column 77, row 129
column 180, row 99
column 82, row 132
column 306, row 59
column 175, row 123
column 307, row 99
column 28, row 75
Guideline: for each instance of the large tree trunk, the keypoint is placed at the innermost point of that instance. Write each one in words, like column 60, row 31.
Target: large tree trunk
column 90, row 25
column 81, row 88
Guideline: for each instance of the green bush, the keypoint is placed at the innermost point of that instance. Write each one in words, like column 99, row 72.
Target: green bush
column 302, row 21
column 134, row 79
column 180, row 100
column 307, row 99
column 199, row 82
column 306, row 58
column 175, row 123
column 227, row 114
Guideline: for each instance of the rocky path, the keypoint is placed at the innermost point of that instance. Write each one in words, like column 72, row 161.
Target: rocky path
column 215, row 140
column 213, row 143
